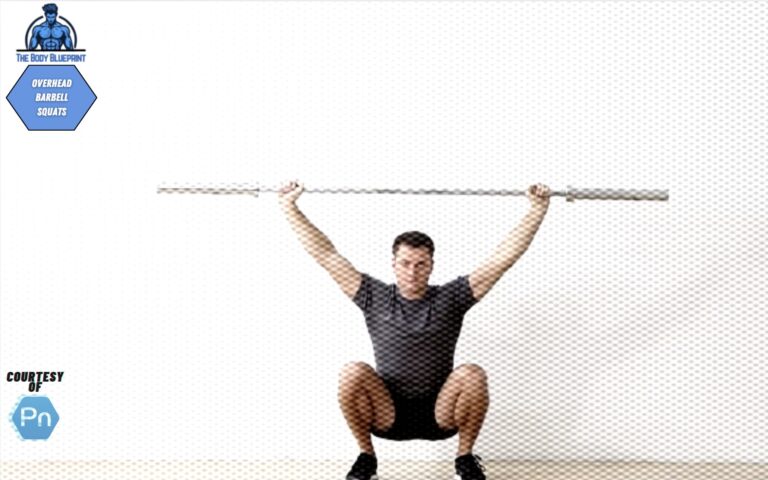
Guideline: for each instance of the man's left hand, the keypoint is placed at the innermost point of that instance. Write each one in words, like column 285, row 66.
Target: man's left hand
column 538, row 195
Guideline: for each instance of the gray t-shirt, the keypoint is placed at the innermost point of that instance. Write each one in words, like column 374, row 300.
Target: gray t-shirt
column 414, row 340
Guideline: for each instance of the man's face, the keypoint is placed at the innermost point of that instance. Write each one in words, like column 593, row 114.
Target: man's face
column 50, row 16
column 412, row 267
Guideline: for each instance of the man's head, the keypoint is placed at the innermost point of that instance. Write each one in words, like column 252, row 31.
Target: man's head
column 412, row 262
column 51, row 11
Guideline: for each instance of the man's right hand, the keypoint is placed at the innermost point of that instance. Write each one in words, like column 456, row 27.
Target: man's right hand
column 290, row 192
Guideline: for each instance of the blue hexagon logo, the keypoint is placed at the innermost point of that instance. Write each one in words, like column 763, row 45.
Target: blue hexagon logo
column 51, row 97
column 34, row 418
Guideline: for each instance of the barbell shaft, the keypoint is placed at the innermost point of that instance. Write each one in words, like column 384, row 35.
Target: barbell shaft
column 570, row 193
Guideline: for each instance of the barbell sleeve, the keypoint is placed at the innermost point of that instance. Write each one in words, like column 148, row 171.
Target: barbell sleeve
column 615, row 194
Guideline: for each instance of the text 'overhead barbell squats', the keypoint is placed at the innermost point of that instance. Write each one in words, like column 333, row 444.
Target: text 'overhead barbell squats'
column 570, row 193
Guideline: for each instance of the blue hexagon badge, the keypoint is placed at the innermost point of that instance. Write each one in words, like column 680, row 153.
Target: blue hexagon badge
column 34, row 418
column 51, row 97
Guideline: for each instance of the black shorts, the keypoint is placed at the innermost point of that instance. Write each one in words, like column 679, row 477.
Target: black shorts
column 414, row 419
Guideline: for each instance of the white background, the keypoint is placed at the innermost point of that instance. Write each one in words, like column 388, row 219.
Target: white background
column 196, row 326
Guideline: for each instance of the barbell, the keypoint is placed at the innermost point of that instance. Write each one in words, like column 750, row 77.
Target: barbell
column 570, row 193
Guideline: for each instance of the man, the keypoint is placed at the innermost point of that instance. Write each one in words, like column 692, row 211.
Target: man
column 50, row 35
column 414, row 393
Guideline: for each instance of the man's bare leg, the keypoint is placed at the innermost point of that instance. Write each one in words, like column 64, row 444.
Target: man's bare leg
column 462, row 403
column 365, row 402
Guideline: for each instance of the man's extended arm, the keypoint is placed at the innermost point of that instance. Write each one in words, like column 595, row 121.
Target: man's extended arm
column 513, row 246
column 317, row 244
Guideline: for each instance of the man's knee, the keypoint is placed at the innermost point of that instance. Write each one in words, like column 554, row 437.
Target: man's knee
column 354, row 372
column 472, row 372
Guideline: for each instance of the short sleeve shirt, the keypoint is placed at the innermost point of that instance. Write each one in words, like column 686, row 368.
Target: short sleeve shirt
column 414, row 341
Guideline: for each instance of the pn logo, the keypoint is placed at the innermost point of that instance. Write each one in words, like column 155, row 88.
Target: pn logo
column 34, row 418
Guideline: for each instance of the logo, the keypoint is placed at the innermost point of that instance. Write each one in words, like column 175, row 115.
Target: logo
column 51, row 97
column 34, row 418
column 51, row 34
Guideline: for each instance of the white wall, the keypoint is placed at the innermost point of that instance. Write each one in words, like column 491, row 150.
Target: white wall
column 196, row 327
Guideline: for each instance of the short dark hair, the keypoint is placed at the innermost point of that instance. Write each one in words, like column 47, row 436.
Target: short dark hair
column 414, row 240
column 50, row 8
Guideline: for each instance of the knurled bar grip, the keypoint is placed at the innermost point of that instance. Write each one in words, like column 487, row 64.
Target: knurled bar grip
column 570, row 193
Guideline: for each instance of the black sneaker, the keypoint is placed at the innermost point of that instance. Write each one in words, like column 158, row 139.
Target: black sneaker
column 468, row 467
column 364, row 468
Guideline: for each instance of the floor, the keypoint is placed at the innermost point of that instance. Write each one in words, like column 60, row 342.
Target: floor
column 388, row 470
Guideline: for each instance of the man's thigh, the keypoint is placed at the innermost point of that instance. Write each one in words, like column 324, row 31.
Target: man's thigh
column 466, row 376
column 382, row 402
